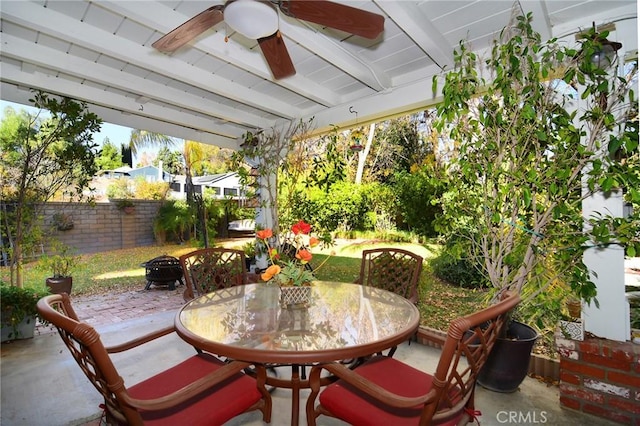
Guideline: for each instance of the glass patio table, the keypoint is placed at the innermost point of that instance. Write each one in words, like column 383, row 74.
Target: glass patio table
column 340, row 321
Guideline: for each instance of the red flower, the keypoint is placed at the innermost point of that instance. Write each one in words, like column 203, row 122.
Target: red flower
column 301, row 228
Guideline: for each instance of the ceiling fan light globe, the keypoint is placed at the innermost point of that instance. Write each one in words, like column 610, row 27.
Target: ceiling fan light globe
column 253, row 19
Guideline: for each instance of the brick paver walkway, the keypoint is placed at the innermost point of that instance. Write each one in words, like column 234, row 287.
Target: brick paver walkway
column 105, row 309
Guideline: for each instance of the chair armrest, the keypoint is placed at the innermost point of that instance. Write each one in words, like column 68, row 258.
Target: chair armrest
column 375, row 391
column 121, row 347
column 191, row 390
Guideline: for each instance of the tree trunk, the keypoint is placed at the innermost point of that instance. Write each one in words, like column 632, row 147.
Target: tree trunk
column 362, row 156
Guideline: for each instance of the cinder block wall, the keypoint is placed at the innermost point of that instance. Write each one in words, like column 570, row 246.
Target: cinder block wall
column 601, row 377
column 103, row 227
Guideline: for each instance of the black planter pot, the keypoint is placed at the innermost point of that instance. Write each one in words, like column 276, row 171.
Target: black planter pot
column 60, row 285
column 508, row 362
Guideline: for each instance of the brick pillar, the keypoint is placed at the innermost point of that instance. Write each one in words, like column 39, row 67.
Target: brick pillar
column 601, row 377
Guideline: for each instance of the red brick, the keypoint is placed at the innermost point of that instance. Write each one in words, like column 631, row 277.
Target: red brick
column 606, row 413
column 624, row 405
column 606, row 362
column 574, row 379
column 582, row 393
column 624, row 378
column 624, row 353
column 577, row 367
column 590, row 347
column 570, row 403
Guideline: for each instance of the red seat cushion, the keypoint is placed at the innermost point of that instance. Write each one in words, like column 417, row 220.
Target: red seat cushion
column 214, row 407
column 357, row 408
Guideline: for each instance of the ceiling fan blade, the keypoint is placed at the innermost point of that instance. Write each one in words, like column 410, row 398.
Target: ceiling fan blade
column 335, row 15
column 190, row 29
column 277, row 56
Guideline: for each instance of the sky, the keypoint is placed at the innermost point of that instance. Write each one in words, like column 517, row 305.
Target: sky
column 117, row 135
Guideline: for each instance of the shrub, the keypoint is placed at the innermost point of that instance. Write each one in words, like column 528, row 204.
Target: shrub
column 120, row 189
column 458, row 271
column 146, row 190
column 18, row 302
column 416, row 194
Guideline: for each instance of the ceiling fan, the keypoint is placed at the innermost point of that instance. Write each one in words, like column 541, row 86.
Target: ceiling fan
column 258, row 19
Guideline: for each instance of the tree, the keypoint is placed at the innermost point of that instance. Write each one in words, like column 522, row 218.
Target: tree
column 43, row 157
column 528, row 158
column 215, row 160
column 171, row 161
column 193, row 155
column 142, row 139
column 109, row 157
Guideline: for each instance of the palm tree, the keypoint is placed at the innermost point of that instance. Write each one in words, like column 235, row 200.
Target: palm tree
column 142, row 138
column 193, row 154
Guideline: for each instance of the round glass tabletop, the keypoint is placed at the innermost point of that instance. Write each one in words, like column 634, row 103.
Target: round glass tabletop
column 339, row 321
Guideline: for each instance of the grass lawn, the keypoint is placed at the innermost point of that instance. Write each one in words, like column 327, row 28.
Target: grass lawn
column 121, row 270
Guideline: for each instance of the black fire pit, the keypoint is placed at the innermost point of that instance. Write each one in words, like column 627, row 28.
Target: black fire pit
column 163, row 270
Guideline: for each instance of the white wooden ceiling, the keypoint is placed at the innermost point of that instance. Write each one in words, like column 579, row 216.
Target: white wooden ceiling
column 213, row 91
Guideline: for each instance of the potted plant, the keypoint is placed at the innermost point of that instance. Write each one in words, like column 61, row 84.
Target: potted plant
column 126, row 205
column 520, row 176
column 289, row 258
column 18, row 311
column 249, row 249
column 61, row 262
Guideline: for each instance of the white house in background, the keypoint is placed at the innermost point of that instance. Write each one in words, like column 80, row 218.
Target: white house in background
column 223, row 185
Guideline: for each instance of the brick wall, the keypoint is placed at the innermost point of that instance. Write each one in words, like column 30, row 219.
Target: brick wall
column 601, row 377
column 103, row 226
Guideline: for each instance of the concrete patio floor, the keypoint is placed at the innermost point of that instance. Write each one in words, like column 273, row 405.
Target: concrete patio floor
column 42, row 385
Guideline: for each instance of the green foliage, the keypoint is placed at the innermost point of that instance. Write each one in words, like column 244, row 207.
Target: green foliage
column 269, row 154
column 109, row 157
column 524, row 148
column 42, row 158
column 329, row 168
column 143, row 138
column 60, row 262
column 249, row 249
column 173, row 221
column 121, row 189
column 409, row 148
column 343, row 207
column 418, row 197
column 124, row 203
column 145, row 190
column 172, row 161
column 17, row 303
column 458, row 271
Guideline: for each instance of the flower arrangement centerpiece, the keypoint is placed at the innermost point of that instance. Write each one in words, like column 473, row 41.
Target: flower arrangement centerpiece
column 289, row 262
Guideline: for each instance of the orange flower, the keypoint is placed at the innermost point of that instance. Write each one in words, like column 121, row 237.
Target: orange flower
column 304, row 256
column 264, row 234
column 313, row 241
column 271, row 271
column 301, row 228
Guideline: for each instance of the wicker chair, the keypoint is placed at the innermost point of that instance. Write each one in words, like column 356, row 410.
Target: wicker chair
column 391, row 269
column 211, row 269
column 385, row 391
column 200, row 390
